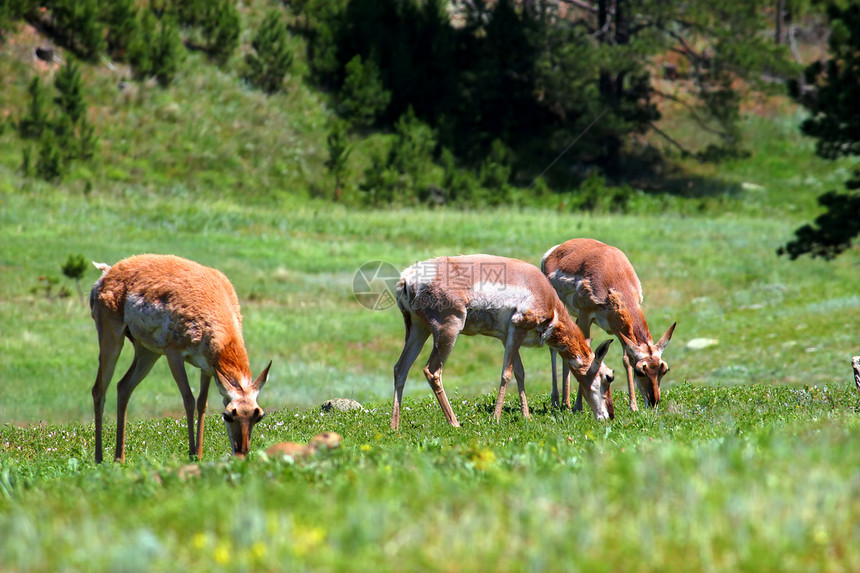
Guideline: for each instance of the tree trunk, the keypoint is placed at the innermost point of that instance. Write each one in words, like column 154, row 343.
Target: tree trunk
column 777, row 35
column 616, row 86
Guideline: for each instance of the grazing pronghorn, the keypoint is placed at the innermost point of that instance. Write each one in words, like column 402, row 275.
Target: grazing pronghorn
column 499, row 297
column 174, row 307
column 598, row 284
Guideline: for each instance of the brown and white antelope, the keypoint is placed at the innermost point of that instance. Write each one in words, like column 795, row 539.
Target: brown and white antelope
column 170, row 306
column 598, row 284
column 504, row 298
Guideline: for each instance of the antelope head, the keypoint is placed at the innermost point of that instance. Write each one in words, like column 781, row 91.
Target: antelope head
column 648, row 365
column 595, row 384
column 241, row 412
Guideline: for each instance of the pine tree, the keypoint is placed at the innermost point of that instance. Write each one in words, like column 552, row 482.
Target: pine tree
column 835, row 122
column 77, row 23
column 156, row 48
column 221, row 28
column 87, row 141
column 64, row 138
column 141, row 53
column 121, row 21
column 49, row 166
column 188, row 12
column 74, row 268
column 338, row 154
column 8, row 15
column 70, row 98
column 362, row 97
column 272, row 57
column 169, row 52
column 495, row 174
column 406, row 169
column 33, row 124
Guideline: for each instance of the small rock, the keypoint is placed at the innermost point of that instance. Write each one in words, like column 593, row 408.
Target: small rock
column 746, row 186
column 700, row 343
column 341, row 405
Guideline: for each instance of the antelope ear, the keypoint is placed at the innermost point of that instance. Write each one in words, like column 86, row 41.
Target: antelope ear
column 599, row 355
column 627, row 342
column 550, row 327
column 639, row 351
column 601, row 351
column 664, row 340
column 260, row 381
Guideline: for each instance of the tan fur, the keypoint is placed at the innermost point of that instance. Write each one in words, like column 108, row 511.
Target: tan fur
column 325, row 441
column 598, row 284
column 499, row 297
column 174, row 307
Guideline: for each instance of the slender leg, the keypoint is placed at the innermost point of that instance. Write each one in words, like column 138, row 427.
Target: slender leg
column 201, row 410
column 577, row 405
column 630, row 381
column 415, row 340
column 177, row 368
column 142, row 363
column 552, row 355
column 520, row 374
column 584, row 323
column 443, row 342
column 111, row 340
column 512, row 345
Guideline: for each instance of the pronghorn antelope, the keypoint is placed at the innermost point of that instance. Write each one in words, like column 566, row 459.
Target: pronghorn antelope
column 170, row 306
column 598, row 284
column 495, row 296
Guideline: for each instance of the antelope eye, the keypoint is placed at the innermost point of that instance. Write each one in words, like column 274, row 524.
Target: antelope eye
column 227, row 417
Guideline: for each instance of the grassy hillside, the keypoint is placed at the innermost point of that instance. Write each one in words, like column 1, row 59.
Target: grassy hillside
column 210, row 135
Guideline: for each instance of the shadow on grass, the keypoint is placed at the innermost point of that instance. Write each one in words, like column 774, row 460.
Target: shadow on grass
column 689, row 187
column 542, row 408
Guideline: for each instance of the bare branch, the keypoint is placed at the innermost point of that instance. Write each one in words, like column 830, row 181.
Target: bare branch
column 667, row 137
column 792, row 42
column 581, row 4
column 692, row 110
column 687, row 48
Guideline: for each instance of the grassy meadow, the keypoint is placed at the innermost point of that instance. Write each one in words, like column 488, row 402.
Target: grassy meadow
column 748, row 465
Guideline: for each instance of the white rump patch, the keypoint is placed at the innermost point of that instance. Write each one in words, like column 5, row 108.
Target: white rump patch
column 547, row 254
column 421, row 273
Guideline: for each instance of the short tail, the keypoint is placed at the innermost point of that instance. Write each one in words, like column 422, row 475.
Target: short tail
column 94, row 293
column 544, row 258
column 405, row 293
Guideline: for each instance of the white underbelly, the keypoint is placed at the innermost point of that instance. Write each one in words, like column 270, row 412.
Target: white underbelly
column 156, row 330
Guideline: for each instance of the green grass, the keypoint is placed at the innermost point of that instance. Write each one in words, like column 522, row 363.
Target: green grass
column 776, row 321
column 721, row 479
column 749, row 465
